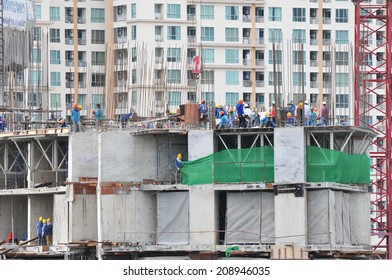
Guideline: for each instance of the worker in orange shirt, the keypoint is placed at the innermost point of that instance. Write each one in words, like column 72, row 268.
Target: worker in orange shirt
column 272, row 113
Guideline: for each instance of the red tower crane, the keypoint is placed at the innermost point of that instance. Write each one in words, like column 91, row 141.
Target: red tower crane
column 372, row 91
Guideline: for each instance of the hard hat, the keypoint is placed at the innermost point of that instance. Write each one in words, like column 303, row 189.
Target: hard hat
column 217, row 106
column 240, row 101
column 203, row 101
column 221, row 113
column 267, row 114
column 306, row 101
column 48, row 220
column 40, row 218
column 288, row 114
column 179, row 156
column 246, row 105
column 324, row 103
column 273, row 102
column 75, row 105
column 44, row 221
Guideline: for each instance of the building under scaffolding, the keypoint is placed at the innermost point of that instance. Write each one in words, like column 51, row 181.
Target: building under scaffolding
column 113, row 194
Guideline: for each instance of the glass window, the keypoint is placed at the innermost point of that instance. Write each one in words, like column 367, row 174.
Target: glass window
column 37, row 34
column 274, row 14
column 97, row 79
column 133, row 54
column 54, row 35
column 97, row 36
column 174, row 98
column 232, row 56
column 97, row 58
column 207, row 34
column 174, row 54
column 97, row 15
column 298, row 80
column 174, row 32
column 133, row 32
column 208, row 96
column 278, row 57
column 341, row 58
column 341, row 15
column 208, row 55
column 174, row 76
column 207, row 77
column 299, row 36
column 231, row 98
column 299, row 14
column 232, row 77
column 299, row 57
column 341, row 100
column 271, row 78
column 133, row 10
column 36, row 56
column 275, row 35
column 55, row 57
column 55, row 100
column 231, row 13
column 38, row 11
column 231, row 35
column 55, row 79
column 35, row 99
column 341, row 37
column 54, row 13
column 133, row 76
column 207, row 12
column 173, row 11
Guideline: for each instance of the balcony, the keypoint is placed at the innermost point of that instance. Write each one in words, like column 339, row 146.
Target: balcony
column 120, row 40
column 247, row 83
column 246, row 18
column 68, row 19
column 326, row 63
column 159, row 59
column 313, row 42
column 69, row 41
column 121, row 83
column 326, row 20
column 247, row 61
column 158, row 16
column 191, row 17
column 327, row 42
column 260, row 40
column 313, row 20
column 189, row 60
column 158, row 38
column 82, row 42
column 259, row 19
column 246, row 40
column 121, row 61
column 313, row 84
column 192, row 82
column 191, row 39
column 69, row 63
column 260, row 62
column 81, row 20
column 260, row 83
column 82, row 63
column 327, row 1
column 327, row 84
column 313, row 63
column 380, row 42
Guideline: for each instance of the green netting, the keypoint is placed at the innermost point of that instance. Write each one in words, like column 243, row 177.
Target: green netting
column 230, row 166
column 334, row 166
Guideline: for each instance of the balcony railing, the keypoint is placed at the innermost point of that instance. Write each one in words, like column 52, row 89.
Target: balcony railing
column 313, row 84
column 158, row 38
column 69, row 41
column 247, row 83
column 159, row 59
column 158, row 16
column 326, row 63
column 247, row 61
column 81, row 20
column 82, row 42
column 191, row 17
column 246, row 40
column 327, row 42
column 191, row 39
column 313, row 42
column 260, row 83
column 313, row 20
column 313, row 63
column 260, row 40
column 68, row 19
column 327, row 20
column 259, row 19
column 246, row 18
column 260, row 62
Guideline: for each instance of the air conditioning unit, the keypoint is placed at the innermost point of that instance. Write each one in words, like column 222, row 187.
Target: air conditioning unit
column 120, row 10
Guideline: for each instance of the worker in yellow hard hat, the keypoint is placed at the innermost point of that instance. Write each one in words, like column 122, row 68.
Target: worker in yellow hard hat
column 39, row 230
column 76, row 118
column 49, row 232
column 44, row 231
column 179, row 165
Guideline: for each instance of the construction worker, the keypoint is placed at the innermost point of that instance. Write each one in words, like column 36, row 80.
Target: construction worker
column 272, row 114
column 39, row 230
column 324, row 114
column 224, row 123
column 307, row 114
column 76, row 117
column 98, row 115
column 124, row 119
column 178, row 168
column 49, row 232
column 240, row 113
column 300, row 113
column 44, row 231
column 203, row 109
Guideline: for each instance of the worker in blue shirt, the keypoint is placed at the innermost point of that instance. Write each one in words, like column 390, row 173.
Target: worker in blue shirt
column 124, row 119
column 203, row 109
column 240, row 113
column 224, row 123
column 76, row 117
column 2, row 124
column 178, row 168
column 39, row 226
column 98, row 115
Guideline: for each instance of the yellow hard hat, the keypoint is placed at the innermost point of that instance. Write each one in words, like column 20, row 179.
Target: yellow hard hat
column 80, row 107
column 44, row 221
column 40, row 218
column 217, row 106
column 48, row 220
column 179, row 156
column 266, row 114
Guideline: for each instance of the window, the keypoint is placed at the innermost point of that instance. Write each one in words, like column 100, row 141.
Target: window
column 36, row 56
column 207, row 34
column 232, row 56
column 54, row 13
column 133, row 54
column 133, row 10
column 38, row 11
column 207, row 12
column 231, row 98
column 98, row 58
column 299, row 57
column 341, row 58
column 54, row 35
column 341, row 100
column 208, row 55
column 208, row 96
column 174, row 76
column 173, row 11
column 299, row 36
column 97, row 36
column 271, row 78
column 275, row 35
column 274, row 14
column 298, row 79
column 35, row 99
column 174, row 32
column 366, row 36
column 231, row 34
column 341, row 15
column 55, row 79
column 342, row 79
column 299, row 15
column 97, row 80
column 231, row 13
column 174, row 98
column 97, row 15
column 207, row 77
column 133, row 32
column 37, row 34
column 232, row 77
column 55, row 100
column 278, row 57
column 174, row 54
column 341, row 37
column 55, row 57
column 133, row 76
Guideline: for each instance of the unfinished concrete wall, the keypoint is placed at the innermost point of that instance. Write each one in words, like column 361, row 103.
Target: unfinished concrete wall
column 83, row 217
column 39, row 205
column 289, row 155
column 202, row 216
column 83, row 155
column 200, row 143
column 13, row 214
column 290, row 219
column 359, row 218
column 60, row 219
column 129, row 217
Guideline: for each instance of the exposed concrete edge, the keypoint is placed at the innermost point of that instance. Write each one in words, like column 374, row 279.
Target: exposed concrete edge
column 31, row 191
